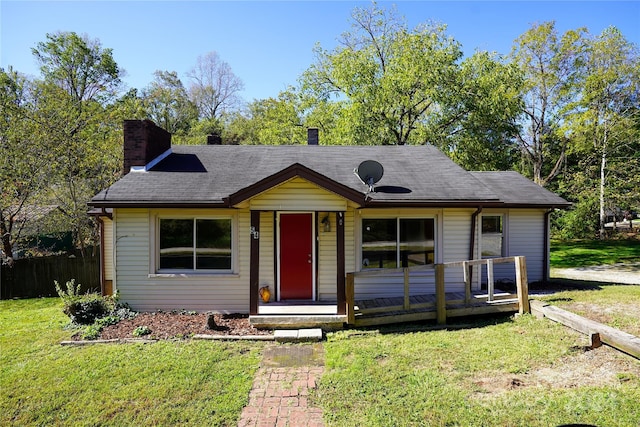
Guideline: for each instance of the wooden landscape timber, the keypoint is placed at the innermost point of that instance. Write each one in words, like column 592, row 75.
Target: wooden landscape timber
column 597, row 332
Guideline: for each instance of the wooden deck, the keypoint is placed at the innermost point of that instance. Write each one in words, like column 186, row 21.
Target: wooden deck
column 381, row 311
column 407, row 308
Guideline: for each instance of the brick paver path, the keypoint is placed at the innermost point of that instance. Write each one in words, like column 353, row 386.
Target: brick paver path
column 279, row 397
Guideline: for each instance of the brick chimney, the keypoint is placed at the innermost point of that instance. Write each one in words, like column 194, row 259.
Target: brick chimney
column 143, row 142
column 312, row 136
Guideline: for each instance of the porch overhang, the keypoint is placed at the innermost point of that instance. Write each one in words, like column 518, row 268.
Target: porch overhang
column 293, row 171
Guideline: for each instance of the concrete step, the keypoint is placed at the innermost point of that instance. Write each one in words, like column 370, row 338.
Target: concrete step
column 298, row 335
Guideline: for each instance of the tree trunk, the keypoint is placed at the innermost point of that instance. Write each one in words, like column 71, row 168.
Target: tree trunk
column 603, row 165
column 6, row 243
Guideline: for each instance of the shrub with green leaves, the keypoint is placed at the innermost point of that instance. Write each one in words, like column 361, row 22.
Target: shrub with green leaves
column 141, row 331
column 83, row 309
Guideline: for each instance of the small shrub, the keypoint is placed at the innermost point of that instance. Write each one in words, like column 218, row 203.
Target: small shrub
column 84, row 309
column 103, row 322
column 123, row 311
column 141, row 331
column 91, row 332
column 87, row 309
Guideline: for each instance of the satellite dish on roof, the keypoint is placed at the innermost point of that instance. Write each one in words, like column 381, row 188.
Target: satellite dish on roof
column 369, row 172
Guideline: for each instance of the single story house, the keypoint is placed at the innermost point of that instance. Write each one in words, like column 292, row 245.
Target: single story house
column 205, row 227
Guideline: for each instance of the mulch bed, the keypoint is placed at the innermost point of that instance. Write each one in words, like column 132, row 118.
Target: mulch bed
column 180, row 325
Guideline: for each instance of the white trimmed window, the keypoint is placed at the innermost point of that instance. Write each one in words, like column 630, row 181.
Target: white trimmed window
column 397, row 242
column 492, row 236
column 195, row 244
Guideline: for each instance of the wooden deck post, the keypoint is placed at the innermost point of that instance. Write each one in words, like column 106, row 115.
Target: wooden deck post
column 490, row 285
column 407, row 302
column 522, row 285
column 441, row 297
column 466, row 274
column 350, row 299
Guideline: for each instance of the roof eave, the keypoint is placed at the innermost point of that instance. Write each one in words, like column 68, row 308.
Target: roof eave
column 156, row 204
column 461, row 204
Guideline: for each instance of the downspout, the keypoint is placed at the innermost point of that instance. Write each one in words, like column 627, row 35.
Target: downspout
column 102, row 249
column 472, row 238
column 546, row 255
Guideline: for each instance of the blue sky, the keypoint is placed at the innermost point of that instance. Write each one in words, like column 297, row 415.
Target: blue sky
column 269, row 44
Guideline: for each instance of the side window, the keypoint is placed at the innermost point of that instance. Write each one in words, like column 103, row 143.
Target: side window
column 417, row 243
column 492, row 236
column 397, row 242
column 379, row 243
column 194, row 244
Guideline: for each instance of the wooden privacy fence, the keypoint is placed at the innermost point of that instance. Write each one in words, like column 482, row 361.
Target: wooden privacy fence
column 34, row 277
column 440, row 288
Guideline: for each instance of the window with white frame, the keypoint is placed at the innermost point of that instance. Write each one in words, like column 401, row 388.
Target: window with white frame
column 492, row 236
column 397, row 242
column 195, row 244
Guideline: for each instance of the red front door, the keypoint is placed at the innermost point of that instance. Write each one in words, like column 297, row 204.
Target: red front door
column 296, row 256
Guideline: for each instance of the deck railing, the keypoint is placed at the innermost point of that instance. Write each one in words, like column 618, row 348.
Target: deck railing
column 440, row 288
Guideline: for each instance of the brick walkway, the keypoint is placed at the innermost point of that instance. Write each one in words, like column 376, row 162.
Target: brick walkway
column 280, row 392
column 279, row 397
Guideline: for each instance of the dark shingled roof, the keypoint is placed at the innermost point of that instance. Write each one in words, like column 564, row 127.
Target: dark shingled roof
column 413, row 175
column 515, row 189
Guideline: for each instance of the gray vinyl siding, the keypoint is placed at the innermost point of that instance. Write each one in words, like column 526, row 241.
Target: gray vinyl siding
column 523, row 231
column 145, row 290
column 526, row 238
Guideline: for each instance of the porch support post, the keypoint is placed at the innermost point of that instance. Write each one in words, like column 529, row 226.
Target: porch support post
column 254, row 262
column 522, row 285
column 340, row 276
column 441, row 296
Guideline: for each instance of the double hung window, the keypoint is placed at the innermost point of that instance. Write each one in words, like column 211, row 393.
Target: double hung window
column 195, row 244
column 492, row 236
column 397, row 242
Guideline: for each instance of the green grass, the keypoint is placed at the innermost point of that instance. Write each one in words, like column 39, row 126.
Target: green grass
column 435, row 378
column 581, row 253
column 615, row 305
column 165, row 383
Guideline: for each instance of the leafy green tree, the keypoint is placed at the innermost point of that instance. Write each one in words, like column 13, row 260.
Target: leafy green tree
column 24, row 161
column 388, row 84
column 548, row 63
column 167, row 103
column 388, row 79
column 78, row 65
column 79, row 78
column 481, row 114
column 604, row 122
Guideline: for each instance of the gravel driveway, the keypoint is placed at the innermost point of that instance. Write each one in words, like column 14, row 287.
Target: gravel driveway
column 624, row 273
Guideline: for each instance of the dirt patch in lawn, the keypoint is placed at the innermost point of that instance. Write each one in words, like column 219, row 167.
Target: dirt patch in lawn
column 603, row 366
column 173, row 325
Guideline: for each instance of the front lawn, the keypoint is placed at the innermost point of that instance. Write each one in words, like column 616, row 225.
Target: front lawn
column 503, row 372
column 519, row 372
column 615, row 305
column 165, row 383
column 582, row 253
